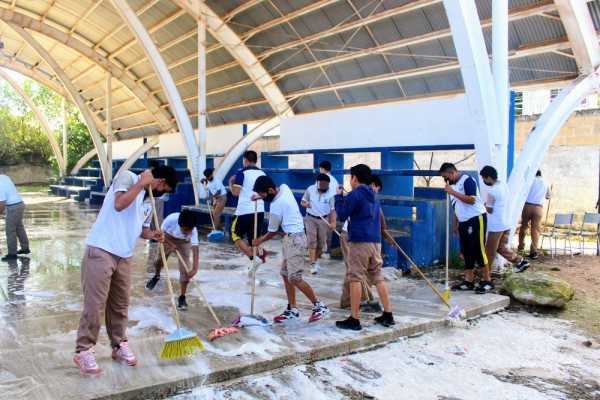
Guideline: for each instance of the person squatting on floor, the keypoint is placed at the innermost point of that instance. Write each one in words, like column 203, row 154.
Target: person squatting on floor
column 106, row 265
column 241, row 185
column 217, row 195
column 364, row 245
column 472, row 221
column 284, row 213
column 320, row 218
column 181, row 236
column 533, row 212
column 498, row 227
column 12, row 204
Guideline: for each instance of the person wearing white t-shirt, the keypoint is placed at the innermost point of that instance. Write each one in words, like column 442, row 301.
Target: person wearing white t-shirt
column 241, row 186
column 181, row 236
column 325, row 168
column 498, row 228
column 11, row 201
column 217, row 195
column 285, row 214
column 533, row 212
column 106, row 266
column 472, row 220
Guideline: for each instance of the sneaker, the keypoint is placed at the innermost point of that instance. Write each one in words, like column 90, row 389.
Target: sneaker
column 484, row 287
column 181, row 303
column 318, row 312
column 386, row 319
column 288, row 315
column 522, row 266
column 263, row 255
column 534, row 256
column 24, row 251
column 86, row 362
column 462, row 286
column 349, row 323
column 151, row 284
column 315, row 267
column 371, row 307
column 124, row 354
column 9, row 257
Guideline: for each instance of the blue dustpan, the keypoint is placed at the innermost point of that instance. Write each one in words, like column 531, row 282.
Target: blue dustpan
column 216, row 236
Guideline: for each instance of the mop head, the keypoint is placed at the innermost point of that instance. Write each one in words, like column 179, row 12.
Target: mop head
column 216, row 236
column 250, row 320
column 181, row 343
column 220, row 332
column 457, row 317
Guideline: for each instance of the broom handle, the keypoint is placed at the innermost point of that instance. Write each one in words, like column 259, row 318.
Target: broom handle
column 447, row 238
column 254, row 250
column 335, row 230
column 548, row 208
column 187, row 268
column 412, row 263
column 208, row 203
column 164, row 260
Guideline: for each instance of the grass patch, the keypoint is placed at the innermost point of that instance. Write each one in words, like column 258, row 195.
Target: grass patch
column 32, row 188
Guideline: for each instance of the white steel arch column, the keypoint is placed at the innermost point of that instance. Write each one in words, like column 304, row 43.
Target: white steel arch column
column 541, row 136
column 83, row 160
column 75, row 96
column 168, row 85
column 41, row 119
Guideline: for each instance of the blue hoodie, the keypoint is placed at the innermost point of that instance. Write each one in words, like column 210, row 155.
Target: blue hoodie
column 361, row 206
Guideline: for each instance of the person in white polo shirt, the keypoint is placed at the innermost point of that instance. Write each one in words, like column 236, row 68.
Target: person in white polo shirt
column 532, row 214
column 12, row 204
column 320, row 218
column 217, row 195
column 325, row 168
column 241, row 186
column 472, row 220
column 498, row 228
column 285, row 214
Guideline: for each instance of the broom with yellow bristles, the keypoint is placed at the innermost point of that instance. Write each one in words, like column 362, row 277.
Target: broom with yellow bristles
column 182, row 342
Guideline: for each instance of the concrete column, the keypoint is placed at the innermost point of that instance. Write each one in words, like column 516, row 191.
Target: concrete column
column 202, row 134
column 501, row 81
column 65, row 133
column 109, row 130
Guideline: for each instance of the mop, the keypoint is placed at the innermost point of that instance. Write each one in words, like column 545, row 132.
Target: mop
column 217, row 332
column 214, row 235
column 182, row 342
column 456, row 313
column 252, row 319
column 446, row 293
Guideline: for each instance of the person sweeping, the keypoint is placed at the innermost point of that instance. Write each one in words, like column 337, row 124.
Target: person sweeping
column 181, row 236
column 106, row 266
column 285, row 213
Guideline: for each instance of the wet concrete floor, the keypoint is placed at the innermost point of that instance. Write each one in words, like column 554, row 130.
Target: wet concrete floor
column 40, row 302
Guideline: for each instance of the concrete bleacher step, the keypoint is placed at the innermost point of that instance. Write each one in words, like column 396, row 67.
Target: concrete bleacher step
column 69, row 191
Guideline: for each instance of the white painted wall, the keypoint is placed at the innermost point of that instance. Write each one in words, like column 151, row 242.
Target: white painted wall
column 218, row 141
column 425, row 122
column 123, row 148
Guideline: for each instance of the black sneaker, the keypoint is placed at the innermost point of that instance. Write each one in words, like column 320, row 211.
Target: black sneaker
column 534, row 256
column 9, row 257
column 484, row 287
column 152, row 282
column 371, row 307
column 522, row 266
column 181, row 303
column 24, row 251
column 386, row 319
column 463, row 286
column 350, row 323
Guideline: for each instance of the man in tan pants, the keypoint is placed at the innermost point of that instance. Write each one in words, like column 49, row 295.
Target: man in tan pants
column 12, row 203
column 532, row 214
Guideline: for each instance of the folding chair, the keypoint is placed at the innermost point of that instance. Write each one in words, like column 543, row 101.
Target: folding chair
column 562, row 228
column 592, row 219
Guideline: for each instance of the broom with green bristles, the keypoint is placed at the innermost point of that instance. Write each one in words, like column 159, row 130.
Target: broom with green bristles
column 182, row 342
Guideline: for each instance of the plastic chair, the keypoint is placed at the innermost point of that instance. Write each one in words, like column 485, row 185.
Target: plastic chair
column 562, row 228
column 583, row 234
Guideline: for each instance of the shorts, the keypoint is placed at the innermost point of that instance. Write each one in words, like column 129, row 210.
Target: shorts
column 472, row 241
column 243, row 227
column 316, row 232
column 184, row 248
column 294, row 256
column 364, row 263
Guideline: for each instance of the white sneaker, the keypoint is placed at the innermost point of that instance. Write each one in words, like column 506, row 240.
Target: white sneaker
column 256, row 262
column 315, row 267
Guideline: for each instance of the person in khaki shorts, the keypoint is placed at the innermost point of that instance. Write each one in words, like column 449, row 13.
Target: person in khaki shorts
column 181, row 236
column 364, row 260
column 285, row 214
column 106, row 265
column 533, row 212
column 319, row 220
column 217, row 195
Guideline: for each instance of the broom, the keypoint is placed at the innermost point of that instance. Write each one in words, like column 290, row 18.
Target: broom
column 446, row 293
column 181, row 342
column 456, row 313
column 217, row 332
column 214, row 235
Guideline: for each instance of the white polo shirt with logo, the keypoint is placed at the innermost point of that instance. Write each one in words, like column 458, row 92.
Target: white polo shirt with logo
column 467, row 186
column 245, row 179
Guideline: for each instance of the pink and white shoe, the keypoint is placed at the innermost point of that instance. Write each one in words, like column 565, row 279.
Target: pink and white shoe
column 123, row 354
column 86, row 362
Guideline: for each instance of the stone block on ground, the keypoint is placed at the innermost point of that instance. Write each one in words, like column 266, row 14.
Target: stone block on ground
column 539, row 288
